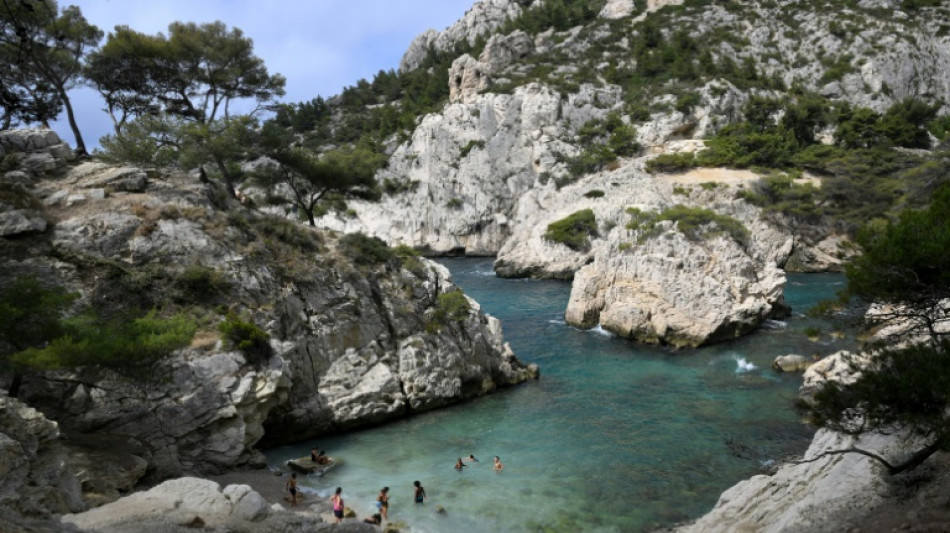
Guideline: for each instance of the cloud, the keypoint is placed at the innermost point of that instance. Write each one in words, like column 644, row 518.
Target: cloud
column 320, row 46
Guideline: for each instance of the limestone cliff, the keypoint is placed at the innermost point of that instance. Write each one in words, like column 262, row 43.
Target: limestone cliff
column 353, row 341
column 473, row 177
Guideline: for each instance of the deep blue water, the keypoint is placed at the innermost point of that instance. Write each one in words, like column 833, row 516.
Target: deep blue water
column 615, row 436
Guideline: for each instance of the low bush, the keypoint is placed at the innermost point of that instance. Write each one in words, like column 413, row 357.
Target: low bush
column 573, row 231
column 450, row 307
column 246, row 336
column 365, row 250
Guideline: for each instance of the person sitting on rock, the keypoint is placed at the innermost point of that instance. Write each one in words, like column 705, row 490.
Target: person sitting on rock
column 322, row 459
column 314, row 455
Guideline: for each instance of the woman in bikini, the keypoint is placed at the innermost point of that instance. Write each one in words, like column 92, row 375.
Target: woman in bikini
column 337, row 500
column 382, row 503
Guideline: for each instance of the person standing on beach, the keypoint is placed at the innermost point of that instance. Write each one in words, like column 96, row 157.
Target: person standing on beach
column 292, row 488
column 498, row 466
column 337, row 500
column 420, row 492
column 382, row 503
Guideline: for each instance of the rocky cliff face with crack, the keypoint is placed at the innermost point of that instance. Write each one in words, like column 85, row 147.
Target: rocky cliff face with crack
column 353, row 342
column 471, row 177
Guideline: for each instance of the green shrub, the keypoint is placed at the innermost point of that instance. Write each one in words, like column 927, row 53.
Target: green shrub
column 288, row 233
column 454, row 203
column 682, row 191
column 365, row 250
column 469, row 147
column 450, row 307
column 198, row 283
column 574, row 230
column 122, row 344
column 695, row 222
column 409, row 257
column 594, row 193
column 671, row 163
column 244, row 335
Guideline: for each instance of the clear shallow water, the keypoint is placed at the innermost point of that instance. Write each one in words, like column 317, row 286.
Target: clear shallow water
column 615, row 436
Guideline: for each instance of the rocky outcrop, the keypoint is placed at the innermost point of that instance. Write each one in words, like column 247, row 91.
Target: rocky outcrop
column 187, row 503
column 36, row 479
column 351, row 344
column 480, row 20
column 666, row 287
column 818, row 493
column 617, row 9
column 462, row 173
column 469, row 77
column 791, row 363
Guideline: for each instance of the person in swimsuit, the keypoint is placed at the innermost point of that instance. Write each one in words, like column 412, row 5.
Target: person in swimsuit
column 382, row 503
column 472, row 459
column 459, row 465
column 313, row 455
column 420, row 492
column 498, row 466
column 292, row 488
column 337, row 500
column 376, row 519
column 322, row 458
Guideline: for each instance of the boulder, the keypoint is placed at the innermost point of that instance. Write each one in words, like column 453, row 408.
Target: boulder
column 21, row 221
column 617, row 9
column 36, row 480
column 823, row 492
column 791, row 363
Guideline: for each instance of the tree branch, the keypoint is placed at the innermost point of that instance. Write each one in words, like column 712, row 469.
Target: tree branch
column 915, row 460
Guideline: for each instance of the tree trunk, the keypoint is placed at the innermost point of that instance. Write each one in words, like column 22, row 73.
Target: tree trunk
column 228, row 182
column 14, row 391
column 80, row 145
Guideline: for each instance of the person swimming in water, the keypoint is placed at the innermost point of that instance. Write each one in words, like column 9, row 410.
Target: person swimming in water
column 459, row 465
column 472, row 459
column 498, row 466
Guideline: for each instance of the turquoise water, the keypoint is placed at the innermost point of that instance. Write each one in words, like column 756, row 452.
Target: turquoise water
column 615, row 436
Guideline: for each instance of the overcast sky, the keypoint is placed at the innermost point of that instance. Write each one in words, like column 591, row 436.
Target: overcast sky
column 320, row 46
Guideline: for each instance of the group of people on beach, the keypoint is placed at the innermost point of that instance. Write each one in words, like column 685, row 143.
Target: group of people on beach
column 460, row 463
column 382, row 500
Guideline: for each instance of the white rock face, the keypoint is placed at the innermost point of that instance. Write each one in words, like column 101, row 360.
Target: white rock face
column 617, row 9
column 465, row 168
column 669, row 288
column 481, row 19
column 810, row 497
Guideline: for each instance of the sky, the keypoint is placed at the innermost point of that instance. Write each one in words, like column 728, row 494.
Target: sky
column 320, row 46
